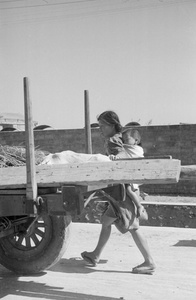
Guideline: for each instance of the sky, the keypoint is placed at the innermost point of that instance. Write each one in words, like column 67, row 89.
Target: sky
column 135, row 57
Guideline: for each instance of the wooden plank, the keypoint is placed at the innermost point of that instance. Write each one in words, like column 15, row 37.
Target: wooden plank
column 13, row 192
column 188, row 172
column 137, row 171
column 31, row 187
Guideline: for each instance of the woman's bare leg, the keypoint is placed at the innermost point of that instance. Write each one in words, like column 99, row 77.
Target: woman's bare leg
column 103, row 239
column 142, row 245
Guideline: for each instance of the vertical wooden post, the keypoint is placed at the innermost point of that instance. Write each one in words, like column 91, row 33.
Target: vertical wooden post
column 31, row 187
column 88, row 147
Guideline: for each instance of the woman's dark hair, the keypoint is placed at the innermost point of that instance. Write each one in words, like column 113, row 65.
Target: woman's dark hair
column 111, row 118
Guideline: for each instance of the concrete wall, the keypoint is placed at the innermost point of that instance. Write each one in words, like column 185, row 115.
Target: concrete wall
column 159, row 214
column 179, row 141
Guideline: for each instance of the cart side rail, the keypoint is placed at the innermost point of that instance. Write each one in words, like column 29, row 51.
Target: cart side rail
column 149, row 171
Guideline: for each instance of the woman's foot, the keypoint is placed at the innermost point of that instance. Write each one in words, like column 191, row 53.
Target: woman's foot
column 145, row 268
column 90, row 258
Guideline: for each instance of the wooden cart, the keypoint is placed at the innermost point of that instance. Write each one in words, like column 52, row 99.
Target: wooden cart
column 37, row 203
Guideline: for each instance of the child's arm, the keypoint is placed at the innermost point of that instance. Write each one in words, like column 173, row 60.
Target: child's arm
column 135, row 200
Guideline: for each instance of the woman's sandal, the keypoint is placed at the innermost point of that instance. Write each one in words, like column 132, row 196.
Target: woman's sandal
column 87, row 257
column 142, row 269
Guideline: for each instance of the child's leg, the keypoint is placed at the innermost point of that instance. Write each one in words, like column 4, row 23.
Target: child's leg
column 142, row 245
column 93, row 257
column 134, row 196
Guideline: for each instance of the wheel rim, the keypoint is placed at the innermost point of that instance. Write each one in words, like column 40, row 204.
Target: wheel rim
column 34, row 242
column 31, row 240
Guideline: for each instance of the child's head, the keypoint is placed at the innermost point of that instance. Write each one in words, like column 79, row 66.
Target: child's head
column 131, row 136
column 109, row 123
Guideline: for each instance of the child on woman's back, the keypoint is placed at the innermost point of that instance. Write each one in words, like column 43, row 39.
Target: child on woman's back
column 132, row 149
column 131, row 145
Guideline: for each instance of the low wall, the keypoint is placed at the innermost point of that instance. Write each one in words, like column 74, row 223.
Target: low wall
column 176, row 140
column 179, row 141
column 170, row 215
column 159, row 214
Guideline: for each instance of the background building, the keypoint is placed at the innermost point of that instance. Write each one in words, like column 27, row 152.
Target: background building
column 12, row 122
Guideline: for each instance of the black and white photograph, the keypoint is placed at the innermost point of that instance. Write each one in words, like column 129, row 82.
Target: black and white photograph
column 98, row 149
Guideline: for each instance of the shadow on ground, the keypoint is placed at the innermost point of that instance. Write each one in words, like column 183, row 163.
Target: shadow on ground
column 77, row 265
column 186, row 243
column 10, row 285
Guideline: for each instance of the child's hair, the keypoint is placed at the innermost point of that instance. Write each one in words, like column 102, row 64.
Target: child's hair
column 133, row 123
column 134, row 133
column 111, row 118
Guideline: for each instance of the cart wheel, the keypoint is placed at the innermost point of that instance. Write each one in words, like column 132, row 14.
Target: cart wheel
column 38, row 250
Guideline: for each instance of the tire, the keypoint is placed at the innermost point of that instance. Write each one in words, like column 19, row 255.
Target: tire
column 38, row 250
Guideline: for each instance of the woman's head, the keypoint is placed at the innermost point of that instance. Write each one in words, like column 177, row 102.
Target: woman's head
column 109, row 123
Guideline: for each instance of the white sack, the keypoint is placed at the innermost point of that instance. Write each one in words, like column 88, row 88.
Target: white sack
column 71, row 157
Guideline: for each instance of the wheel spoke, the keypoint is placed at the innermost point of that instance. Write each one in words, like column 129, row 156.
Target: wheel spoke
column 28, row 242
column 20, row 239
column 40, row 224
column 39, row 232
column 35, row 239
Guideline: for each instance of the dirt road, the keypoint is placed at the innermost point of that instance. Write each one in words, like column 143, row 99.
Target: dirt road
column 174, row 251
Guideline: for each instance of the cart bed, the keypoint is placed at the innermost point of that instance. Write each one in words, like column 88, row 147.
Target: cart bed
column 148, row 171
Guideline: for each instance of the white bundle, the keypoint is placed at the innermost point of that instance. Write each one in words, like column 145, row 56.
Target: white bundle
column 71, row 157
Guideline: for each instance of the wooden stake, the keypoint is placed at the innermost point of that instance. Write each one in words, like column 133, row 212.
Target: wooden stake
column 88, row 146
column 31, row 187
